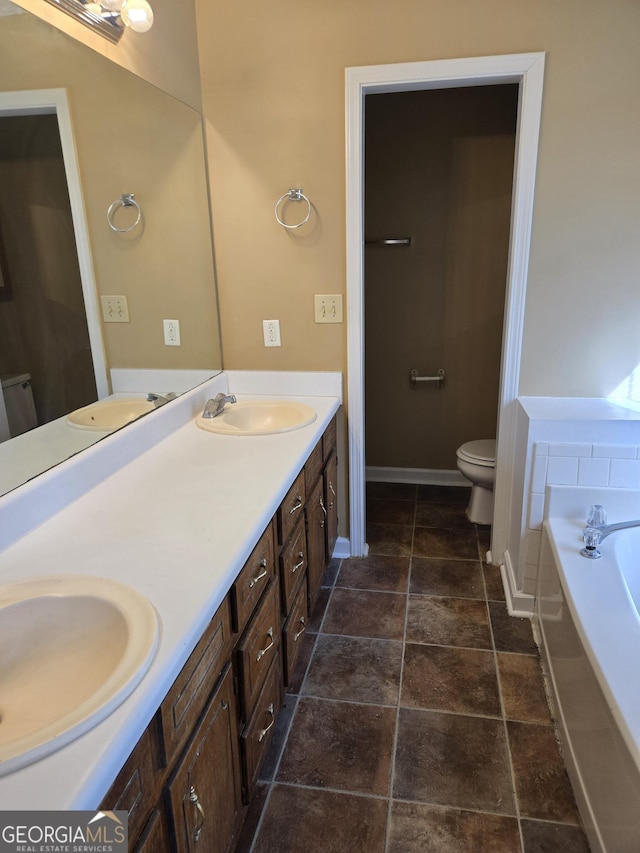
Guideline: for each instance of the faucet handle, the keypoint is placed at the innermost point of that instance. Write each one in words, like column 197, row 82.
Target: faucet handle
column 592, row 538
column 597, row 516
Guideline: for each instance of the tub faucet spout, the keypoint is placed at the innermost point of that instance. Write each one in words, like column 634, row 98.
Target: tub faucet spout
column 214, row 407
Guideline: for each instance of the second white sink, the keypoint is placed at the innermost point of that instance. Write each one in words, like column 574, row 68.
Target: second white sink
column 107, row 415
column 259, row 417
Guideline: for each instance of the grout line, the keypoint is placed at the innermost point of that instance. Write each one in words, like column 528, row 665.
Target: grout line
column 392, row 773
column 516, row 802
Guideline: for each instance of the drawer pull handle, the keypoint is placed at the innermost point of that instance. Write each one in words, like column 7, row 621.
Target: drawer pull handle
column 300, row 564
column 263, row 574
column 301, row 631
column 263, row 732
column 263, row 652
column 333, row 493
column 297, row 505
column 324, row 510
column 196, row 802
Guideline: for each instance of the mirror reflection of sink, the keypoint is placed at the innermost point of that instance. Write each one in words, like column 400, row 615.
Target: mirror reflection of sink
column 72, row 648
column 108, row 415
column 259, row 417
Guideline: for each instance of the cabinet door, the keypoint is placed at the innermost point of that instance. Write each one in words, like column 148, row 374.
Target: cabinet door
column 155, row 838
column 331, row 504
column 205, row 790
column 316, row 515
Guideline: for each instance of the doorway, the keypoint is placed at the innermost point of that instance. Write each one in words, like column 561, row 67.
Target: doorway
column 438, row 188
column 526, row 71
column 48, row 312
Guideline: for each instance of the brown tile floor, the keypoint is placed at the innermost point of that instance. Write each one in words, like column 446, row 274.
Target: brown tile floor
column 417, row 720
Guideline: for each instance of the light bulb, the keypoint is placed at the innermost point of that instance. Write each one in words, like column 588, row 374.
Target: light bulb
column 112, row 5
column 96, row 8
column 138, row 15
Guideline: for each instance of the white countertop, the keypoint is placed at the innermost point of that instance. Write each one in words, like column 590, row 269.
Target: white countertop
column 176, row 523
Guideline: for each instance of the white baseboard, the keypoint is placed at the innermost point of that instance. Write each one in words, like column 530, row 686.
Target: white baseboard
column 421, row 476
column 518, row 603
column 342, row 548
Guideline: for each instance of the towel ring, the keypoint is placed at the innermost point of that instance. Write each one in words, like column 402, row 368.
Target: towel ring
column 125, row 200
column 293, row 195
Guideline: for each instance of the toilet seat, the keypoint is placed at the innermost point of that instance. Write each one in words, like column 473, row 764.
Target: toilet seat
column 481, row 452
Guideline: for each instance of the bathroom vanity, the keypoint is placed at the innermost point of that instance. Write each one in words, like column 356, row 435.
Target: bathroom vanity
column 194, row 770
column 228, row 537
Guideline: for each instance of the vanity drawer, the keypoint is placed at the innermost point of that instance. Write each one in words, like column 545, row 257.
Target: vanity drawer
column 258, row 648
column 293, row 632
column 190, row 691
column 253, row 579
column 257, row 734
column 293, row 565
column 329, row 438
column 313, row 467
column 136, row 787
column 291, row 509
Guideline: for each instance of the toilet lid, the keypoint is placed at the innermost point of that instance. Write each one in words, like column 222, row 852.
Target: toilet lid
column 481, row 452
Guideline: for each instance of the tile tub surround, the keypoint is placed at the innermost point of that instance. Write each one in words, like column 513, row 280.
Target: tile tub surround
column 569, row 440
column 426, row 730
column 607, row 466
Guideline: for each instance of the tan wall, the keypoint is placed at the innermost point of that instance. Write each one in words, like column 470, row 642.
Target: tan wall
column 273, row 93
column 167, row 55
column 132, row 137
column 439, row 168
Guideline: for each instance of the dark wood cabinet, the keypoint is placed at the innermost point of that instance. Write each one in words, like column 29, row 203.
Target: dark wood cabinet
column 205, row 790
column 187, row 783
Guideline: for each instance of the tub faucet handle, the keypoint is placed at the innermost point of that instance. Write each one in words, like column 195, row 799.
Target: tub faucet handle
column 597, row 516
column 592, row 537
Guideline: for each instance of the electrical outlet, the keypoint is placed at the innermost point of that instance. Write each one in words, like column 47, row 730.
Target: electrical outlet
column 115, row 309
column 271, row 332
column 328, row 308
column 171, row 333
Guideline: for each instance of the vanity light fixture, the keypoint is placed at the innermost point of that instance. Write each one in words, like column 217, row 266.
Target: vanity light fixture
column 110, row 18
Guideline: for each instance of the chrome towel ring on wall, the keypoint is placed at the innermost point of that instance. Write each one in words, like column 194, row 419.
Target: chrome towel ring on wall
column 125, row 200
column 293, row 195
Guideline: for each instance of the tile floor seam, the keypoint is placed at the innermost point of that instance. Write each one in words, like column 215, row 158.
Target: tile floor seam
column 450, row 808
column 512, row 772
column 330, row 789
column 392, row 773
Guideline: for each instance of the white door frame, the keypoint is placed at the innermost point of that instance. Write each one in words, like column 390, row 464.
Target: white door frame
column 526, row 69
column 47, row 102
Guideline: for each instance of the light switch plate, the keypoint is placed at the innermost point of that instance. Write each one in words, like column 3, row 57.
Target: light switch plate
column 328, row 308
column 114, row 309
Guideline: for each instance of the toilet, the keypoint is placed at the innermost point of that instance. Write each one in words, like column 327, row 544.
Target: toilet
column 477, row 462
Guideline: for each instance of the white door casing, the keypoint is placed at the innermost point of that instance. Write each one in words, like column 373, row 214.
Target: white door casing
column 49, row 101
column 526, row 69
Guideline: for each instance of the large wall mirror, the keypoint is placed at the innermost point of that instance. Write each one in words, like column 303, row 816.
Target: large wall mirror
column 128, row 137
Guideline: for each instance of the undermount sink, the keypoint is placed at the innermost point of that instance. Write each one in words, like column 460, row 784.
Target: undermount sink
column 72, row 649
column 259, row 417
column 108, row 415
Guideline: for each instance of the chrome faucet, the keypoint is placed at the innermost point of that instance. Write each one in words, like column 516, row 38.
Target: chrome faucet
column 214, row 407
column 159, row 400
column 594, row 533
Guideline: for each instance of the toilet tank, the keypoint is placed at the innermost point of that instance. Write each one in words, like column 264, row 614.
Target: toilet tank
column 18, row 400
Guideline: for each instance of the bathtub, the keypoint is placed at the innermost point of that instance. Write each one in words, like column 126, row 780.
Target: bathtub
column 588, row 624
